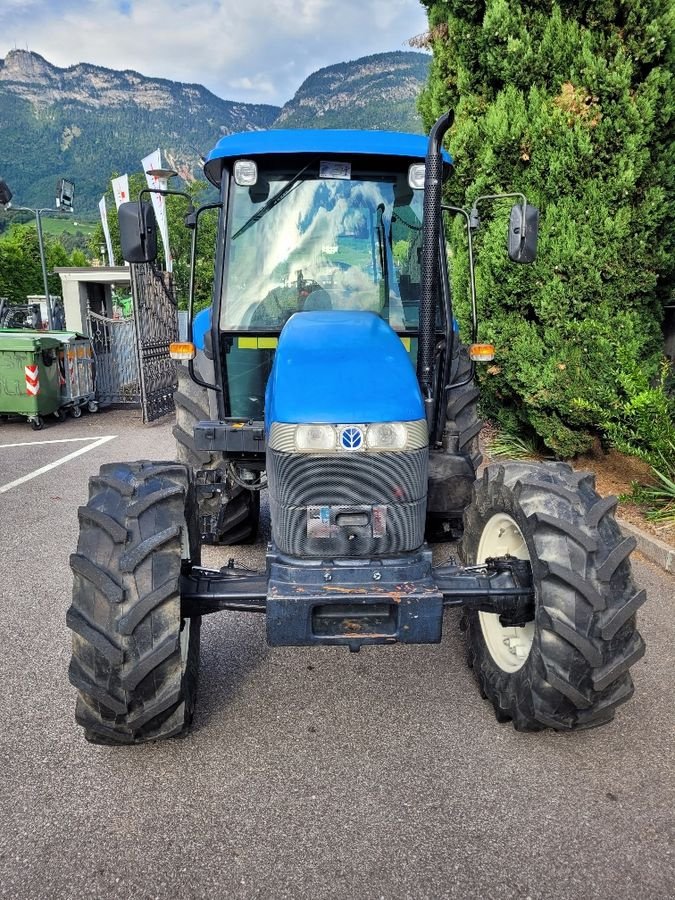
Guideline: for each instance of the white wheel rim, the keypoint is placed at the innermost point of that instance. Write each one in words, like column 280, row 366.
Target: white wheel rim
column 509, row 647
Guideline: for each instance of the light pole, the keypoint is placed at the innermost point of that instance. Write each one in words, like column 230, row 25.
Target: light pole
column 64, row 203
column 43, row 263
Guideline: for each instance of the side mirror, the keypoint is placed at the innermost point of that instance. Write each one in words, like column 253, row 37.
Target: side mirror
column 138, row 232
column 523, row 233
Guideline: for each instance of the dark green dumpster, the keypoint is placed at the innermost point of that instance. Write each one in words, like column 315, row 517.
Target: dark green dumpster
column 29, row 375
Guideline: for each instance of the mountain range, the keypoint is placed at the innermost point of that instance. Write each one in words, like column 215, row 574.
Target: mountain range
column 86, row 122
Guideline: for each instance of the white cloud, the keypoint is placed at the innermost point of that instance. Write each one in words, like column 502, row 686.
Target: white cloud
column 254, row 50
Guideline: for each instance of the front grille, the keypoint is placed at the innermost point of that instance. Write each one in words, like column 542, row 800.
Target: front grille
column 404, row 531
column 307, row 478
column 386, row 487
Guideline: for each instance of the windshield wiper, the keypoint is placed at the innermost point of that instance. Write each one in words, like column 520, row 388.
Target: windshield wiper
column 273, row 201
column 382, row 242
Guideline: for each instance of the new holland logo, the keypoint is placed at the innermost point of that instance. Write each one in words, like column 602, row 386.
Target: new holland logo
column 351, row 438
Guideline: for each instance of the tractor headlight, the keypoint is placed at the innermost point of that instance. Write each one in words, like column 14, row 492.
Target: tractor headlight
column 315, row 437
column 245, row 172
column 386, row 436
column 416, row 174
column 378, row 437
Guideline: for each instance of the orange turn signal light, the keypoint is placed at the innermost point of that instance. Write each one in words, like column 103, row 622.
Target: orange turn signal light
column 482, row 352
column 182, row 350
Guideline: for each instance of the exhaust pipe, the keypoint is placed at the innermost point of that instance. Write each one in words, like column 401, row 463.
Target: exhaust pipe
column 433, row 185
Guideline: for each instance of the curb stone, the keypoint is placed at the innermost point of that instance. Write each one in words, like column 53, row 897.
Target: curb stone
column 654, row 549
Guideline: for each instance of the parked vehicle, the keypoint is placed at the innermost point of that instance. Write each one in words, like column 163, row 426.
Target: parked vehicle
column 329, row 369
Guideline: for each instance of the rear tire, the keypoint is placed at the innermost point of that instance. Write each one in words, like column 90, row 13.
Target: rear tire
column 135, row 658
column 463, row 424
column 229, row 514
column 569, row 667
column 450, row 481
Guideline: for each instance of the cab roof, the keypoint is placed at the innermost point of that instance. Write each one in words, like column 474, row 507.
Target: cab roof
column 279, row 142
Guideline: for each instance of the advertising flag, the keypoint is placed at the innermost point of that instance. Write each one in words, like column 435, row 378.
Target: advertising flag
column 120, row 188
column 154, row 161
column 106, row 231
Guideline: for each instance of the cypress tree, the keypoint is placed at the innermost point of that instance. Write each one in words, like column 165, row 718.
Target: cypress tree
column 572, row 104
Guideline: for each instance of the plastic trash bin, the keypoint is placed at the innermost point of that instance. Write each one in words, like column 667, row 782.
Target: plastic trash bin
column 76, row 372
column 29, row 375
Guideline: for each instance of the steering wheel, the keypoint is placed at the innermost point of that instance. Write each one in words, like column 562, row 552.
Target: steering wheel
column 317, row 299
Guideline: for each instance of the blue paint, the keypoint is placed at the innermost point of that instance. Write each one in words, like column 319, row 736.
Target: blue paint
column 200, row 325
column 348, row 143
column 341, row 367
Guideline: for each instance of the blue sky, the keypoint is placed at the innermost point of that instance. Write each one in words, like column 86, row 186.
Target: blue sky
column 253, row 50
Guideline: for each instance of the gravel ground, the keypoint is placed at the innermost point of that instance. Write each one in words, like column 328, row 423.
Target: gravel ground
column 309, row 773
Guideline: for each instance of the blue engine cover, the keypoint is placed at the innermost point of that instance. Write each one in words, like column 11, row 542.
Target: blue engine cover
column 340, row 367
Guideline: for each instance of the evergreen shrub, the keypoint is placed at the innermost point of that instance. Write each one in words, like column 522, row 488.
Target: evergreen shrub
column 572, row 104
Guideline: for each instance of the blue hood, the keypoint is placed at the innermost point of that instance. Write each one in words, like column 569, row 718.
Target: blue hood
column 341, row 367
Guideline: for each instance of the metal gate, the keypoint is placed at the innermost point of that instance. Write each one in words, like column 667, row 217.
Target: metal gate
column 156, row 318
column 115, row 359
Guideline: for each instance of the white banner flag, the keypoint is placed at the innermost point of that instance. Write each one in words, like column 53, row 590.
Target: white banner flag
column 120, row 188
column 106, row 231
column 154, row 161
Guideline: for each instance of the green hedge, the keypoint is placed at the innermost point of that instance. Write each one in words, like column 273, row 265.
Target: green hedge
column 572, row 104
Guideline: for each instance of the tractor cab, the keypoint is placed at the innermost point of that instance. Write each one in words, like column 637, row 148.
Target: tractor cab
column 314, row 221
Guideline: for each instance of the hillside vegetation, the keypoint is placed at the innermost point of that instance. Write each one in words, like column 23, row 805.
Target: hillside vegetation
column 85, row 122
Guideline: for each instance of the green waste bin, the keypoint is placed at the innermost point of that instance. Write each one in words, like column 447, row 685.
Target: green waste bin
column 29, row 375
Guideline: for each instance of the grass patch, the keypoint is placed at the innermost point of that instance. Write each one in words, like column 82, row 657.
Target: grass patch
column 659, row 497
column 57, row 227
column 506, row 444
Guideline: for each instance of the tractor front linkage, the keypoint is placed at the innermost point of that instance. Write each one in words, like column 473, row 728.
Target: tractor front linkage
column 357, row 602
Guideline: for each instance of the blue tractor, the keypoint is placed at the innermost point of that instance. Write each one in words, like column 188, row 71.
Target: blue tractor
column 330, row 372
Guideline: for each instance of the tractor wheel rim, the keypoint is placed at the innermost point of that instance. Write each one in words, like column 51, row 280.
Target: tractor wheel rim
column 185, row 643
column 508, row 647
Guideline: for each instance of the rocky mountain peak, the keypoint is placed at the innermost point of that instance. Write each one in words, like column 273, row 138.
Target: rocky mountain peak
column 345, row 95
column 25, row 66
column 86, row 122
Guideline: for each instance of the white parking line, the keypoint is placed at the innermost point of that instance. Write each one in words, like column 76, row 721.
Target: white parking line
column 55, row 441
column 96, row 442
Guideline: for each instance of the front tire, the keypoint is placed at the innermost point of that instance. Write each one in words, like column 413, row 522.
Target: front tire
column 228, row 514
column 135, row 658
column 569, row 667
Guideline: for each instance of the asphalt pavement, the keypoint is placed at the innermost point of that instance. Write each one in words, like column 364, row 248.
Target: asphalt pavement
column 309, row 773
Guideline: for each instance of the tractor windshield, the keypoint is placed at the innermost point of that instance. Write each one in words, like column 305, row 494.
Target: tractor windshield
column 322, row 238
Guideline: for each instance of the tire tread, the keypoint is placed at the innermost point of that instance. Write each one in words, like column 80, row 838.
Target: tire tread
column 585, row 642
column 134, row 682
